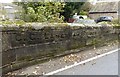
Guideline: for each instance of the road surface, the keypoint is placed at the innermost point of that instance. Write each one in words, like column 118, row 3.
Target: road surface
column 106, row 65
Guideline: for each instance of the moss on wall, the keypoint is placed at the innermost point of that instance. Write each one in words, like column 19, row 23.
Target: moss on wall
column 26, row 45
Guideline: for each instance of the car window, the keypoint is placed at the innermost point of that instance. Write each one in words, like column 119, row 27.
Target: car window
column 104, row 17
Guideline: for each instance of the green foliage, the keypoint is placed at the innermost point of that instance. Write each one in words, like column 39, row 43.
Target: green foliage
column 71, row 8
column 19, row 22
column 116, row 21
column 9, row 22
column 6, row 22
column 86, row 7
column 83, row 13
column 41, row 11
column 50, row 11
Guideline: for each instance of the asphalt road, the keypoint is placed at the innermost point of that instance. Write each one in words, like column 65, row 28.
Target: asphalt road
column 106, row 65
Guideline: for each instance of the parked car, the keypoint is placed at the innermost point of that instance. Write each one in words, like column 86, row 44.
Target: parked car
column 104, row 18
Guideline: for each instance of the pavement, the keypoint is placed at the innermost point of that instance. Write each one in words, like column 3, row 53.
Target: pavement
column 63, row 62
column 106, row 65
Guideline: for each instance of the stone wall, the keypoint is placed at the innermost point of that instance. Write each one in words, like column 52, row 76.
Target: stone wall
column 23, row 46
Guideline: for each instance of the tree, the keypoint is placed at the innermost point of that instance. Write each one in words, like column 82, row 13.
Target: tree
column 71, row 8
column 86, row 8
column 49, row 11
column 41, row 11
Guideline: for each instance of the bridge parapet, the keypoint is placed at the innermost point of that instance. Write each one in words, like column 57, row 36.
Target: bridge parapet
column 22, row 46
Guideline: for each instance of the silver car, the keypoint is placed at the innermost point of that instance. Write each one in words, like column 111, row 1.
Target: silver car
column 104, row 18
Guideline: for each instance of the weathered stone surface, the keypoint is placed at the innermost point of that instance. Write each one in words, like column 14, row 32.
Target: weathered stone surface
column 27, row 44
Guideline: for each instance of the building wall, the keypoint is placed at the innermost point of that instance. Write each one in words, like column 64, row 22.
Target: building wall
column 97, row 15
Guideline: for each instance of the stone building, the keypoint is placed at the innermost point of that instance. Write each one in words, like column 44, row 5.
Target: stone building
column 104, row 9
